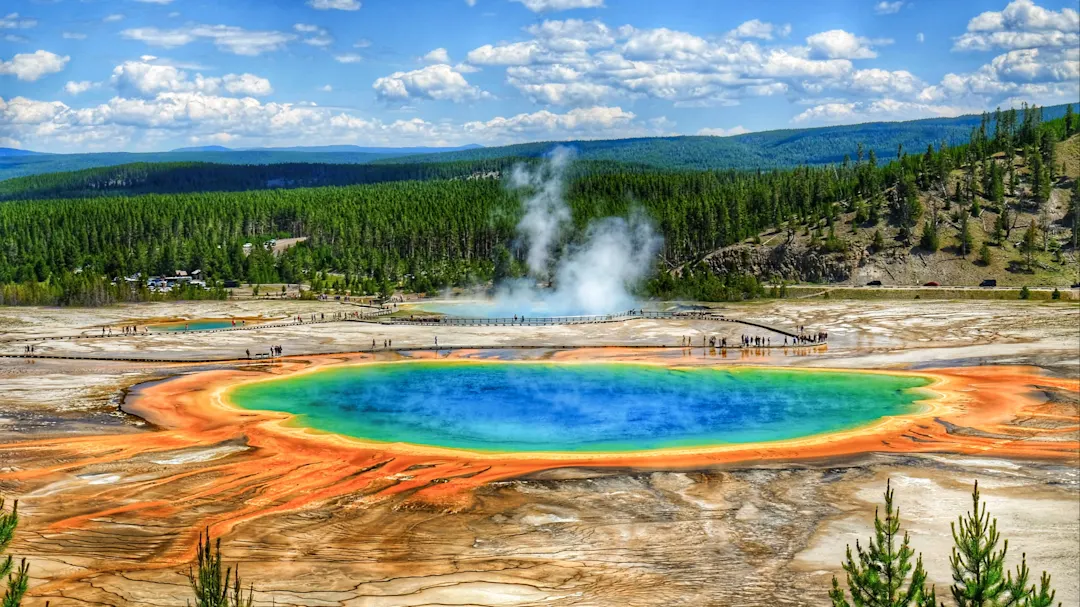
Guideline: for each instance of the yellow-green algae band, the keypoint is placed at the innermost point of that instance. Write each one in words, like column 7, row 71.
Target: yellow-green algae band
column 578, row 408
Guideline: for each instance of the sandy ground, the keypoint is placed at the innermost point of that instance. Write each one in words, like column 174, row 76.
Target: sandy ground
column 765, row 533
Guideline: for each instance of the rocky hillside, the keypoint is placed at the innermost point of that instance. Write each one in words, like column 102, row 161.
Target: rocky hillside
column 806, row 254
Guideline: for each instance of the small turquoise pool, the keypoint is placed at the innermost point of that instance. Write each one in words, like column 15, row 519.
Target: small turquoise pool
column 518, row 407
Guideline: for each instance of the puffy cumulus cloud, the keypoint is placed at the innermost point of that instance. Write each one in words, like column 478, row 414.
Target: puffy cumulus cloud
column 877, row 110
column 888, row 8
column 228, row 38
column 722, row 132
column 144, row 79
column 1022, row 24
column 195, row 116
column 438, row 81
column 763, row 30
column 338, row 5
column 548, row 6
column 885, row 82
column 439, row 55
column 663, row 43
column 246, row 84
column 577, row 63
column 14, row 21
column 517, row 53
column 313, row 34
column 31, row 66
column 1034, row 75
column 1041, row 64
column 77, row 88
column 839, row 44
column 577, row 123
column 572, row 35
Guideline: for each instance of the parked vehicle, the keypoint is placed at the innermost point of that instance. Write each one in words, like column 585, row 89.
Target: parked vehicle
column 874, row 283
column 989, row 282
column 931, row 284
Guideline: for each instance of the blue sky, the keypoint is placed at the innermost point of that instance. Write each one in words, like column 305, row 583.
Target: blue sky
column 143, row 75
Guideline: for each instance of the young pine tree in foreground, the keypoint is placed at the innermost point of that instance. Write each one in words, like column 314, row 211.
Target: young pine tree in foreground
column 979, row 575
column 211, row 587
column 877, row 575
column 17, row 577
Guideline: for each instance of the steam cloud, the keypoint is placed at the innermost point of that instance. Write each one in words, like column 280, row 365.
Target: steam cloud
column 594, row 276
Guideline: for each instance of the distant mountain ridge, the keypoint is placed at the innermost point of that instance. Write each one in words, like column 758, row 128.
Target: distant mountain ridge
column 760, row 150
column 7, row 152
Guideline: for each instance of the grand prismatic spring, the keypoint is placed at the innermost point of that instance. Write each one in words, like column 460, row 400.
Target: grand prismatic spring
column 547, row 407
column 523, row 464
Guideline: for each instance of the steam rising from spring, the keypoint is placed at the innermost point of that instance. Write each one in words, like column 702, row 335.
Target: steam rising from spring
column 594, row 276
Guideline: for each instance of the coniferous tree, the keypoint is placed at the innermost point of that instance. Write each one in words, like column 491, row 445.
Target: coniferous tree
column 1030, row 244
column 964, row 237
column 979, row 574
column 877, row 576
column 211, row 587
column 18, row 577
column 929, row 240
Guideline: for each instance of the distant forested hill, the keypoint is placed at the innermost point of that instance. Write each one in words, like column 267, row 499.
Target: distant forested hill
column 767, row 149
column 181, row 177
column 764, row 150
column 36, row 164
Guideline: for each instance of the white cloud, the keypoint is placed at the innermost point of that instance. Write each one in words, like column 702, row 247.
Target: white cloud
column 228, row 38
column 877, row 110
column 13, row 21
column 362, row 43
column 920, row 37
column 517, row 53
column 438, row 81
column 470, row 2
column 1041, row 64
column 341, row 5
column 155, row 1
column 314, row 35
column 326, row 88
column 722, row 132
column 113, row 18
column 581, row 63
column 839, row 44
column 15, row 38
column 74, row 36
column 548, row 6
column 761, row 30
column 888, row 8
column 885, row 82
column 348, row 58
column 31, row 66
column 246, row 84
column 1021, row 25
column 194, row 116
column 147, row 80
column 76, row 88
column 577, row 123
column 439, row 55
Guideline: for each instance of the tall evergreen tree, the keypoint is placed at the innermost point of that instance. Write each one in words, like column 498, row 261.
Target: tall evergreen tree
column 877, row 576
